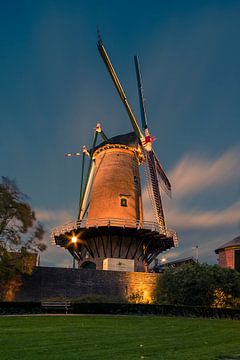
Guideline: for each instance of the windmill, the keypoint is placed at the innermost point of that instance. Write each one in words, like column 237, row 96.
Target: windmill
column 110, row 223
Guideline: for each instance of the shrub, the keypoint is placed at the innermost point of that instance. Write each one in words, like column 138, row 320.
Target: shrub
column 199, row 285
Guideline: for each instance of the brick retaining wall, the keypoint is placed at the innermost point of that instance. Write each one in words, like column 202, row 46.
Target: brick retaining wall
column 49, row 283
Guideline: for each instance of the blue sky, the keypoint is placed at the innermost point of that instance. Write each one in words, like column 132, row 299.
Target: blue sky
column 54, row 88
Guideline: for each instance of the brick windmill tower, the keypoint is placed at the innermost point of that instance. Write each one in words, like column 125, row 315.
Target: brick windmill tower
column 110, row 232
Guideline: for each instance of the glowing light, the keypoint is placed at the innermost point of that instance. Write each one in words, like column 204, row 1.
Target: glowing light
column 74, row 239
column 163, row 260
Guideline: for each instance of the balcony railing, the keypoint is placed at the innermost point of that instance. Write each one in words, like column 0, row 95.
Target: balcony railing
column 124, row 223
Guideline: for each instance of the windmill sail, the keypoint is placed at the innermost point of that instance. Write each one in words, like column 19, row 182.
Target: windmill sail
column 119, row 88
column 154, row 191
column 162, row 177
column 155, row 173
column 140, row 94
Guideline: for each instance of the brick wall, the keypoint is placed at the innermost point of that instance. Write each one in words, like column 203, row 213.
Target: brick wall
column 226, row 258
column 49, row 283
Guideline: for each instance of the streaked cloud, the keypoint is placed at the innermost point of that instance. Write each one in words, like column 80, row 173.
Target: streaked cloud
column 195, row 173
column 206, row 240
column 54, row 255
column 194, row 219
column 209, row 225
column 54, row 216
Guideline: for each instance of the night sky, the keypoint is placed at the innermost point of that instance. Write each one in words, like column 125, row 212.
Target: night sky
column 54, row 88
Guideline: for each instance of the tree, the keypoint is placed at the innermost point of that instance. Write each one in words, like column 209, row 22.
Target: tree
column 20, row 234
column 199, row 285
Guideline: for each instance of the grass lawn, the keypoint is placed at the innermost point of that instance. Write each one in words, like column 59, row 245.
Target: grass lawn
column 115, row 338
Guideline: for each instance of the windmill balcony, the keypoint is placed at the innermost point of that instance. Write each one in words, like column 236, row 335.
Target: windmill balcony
column 112, row 222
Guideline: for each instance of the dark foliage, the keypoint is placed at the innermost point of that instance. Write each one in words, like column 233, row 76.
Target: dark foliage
column 198, row 284
column 20, row 234
column 17, row 219
column 7, row 308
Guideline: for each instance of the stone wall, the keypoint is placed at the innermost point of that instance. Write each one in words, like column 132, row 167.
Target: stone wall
column 52, row 283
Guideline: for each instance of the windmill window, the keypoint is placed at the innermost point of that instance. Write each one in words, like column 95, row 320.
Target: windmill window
column 124, row 202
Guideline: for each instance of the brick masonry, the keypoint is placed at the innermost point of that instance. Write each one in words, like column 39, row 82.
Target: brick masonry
column 49, row 283
column 226, row 258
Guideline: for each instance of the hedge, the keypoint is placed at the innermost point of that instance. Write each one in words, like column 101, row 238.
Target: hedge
column 20, row 308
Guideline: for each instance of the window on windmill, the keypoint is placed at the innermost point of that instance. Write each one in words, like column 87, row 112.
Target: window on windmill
column 124, row 202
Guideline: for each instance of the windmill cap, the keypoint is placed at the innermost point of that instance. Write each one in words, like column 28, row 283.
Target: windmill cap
column 231, row 243
column 129, row 139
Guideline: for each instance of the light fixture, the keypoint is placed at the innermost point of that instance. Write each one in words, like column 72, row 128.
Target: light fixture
column 74, row 239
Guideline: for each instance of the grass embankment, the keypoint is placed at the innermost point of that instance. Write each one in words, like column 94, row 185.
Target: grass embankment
column 117, row 338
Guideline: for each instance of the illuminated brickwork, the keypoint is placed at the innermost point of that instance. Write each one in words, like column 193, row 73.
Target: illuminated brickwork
column 116, row 190
column 52, row 283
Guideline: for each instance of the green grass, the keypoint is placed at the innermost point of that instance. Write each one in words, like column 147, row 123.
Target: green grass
column 115, row 338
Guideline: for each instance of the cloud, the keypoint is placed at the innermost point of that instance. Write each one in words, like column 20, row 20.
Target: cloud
column 207, row 241
column 193, row 219
column 54, row 216
column 54, row 255
column 193, row 173
column 196, row 223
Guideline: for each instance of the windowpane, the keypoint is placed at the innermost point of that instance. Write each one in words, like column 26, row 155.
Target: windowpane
column 124, row 202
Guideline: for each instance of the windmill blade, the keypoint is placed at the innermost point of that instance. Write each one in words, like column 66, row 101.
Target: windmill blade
column 154, row 191
column 140, row 94
column 83, row 204
column 89, row 178
column 164, row 182
column 119, row 88
column 163, row 179
column 148, row 140
column 72, row 154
